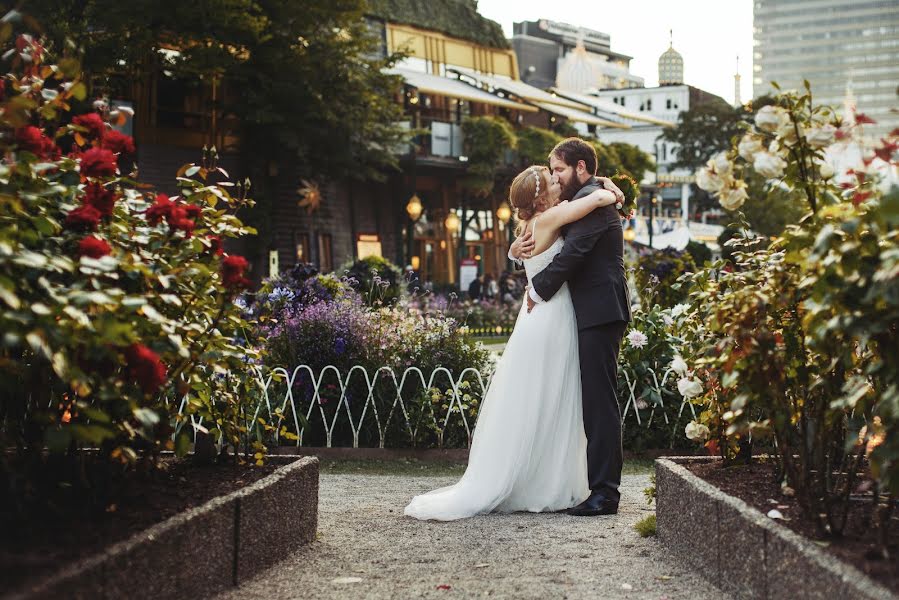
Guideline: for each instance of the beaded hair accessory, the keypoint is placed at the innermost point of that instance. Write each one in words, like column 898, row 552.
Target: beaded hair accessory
column 537, row 181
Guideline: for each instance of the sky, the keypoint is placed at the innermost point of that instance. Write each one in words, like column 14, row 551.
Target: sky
column 709, row 34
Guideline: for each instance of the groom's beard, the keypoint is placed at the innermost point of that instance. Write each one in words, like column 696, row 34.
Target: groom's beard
column 571, row 188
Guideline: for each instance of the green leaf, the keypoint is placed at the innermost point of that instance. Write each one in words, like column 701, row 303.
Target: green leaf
column 182, row 443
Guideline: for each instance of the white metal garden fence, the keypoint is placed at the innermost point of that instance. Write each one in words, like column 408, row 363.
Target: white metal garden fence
column 310, row 409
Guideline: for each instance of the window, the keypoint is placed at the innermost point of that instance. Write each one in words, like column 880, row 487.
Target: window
column 325, row 258
column 368, row 244
column 301, row 240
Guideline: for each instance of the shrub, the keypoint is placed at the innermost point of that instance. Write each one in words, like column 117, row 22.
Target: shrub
column 699, row 252
column 378, row 281
column 116, row 299
column 797, row 342
column 656, row 274
column 645, row 362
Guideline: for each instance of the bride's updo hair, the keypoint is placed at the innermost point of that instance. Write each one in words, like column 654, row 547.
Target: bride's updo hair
column 528, row 193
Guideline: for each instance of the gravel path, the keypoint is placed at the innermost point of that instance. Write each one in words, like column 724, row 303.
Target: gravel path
column 367, row 549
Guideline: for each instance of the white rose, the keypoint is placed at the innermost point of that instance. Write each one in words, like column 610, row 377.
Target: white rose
column 749, row 146
column 770, row 118
column 721, row 165
column 786, row 132
column 679, row 366
column 825, row 169
column 821, row 137
column 709, row 181
column 768, row 165
column 689, row 388
column 733, row 196
column 697, row 431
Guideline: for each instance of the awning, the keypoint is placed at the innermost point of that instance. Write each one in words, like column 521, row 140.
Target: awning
column 517, row 88
column 611, row 108
column 580, row 116
column 453, row 88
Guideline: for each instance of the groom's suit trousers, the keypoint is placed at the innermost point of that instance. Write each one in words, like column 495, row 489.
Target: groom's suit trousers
column 599, row 346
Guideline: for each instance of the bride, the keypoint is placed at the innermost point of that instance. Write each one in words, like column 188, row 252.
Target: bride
column 529, row 449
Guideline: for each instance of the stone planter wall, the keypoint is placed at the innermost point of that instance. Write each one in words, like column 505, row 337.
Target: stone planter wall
column 202, row 551
column 744, row 552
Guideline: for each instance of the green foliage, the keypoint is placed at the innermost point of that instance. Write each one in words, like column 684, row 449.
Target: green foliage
column 110, row 313
column 795, row 342
column 281, row 65
column 703, row 131
column 646, row 526
column 650, row 346
column 607, row 160
column 633, row 161
column 651, row 493
column 535, row 144
column 699, row 252
column 486, row 141
column 456, row 18
column 656, row 275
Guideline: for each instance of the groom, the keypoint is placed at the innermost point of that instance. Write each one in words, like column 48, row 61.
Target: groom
column 592, row 262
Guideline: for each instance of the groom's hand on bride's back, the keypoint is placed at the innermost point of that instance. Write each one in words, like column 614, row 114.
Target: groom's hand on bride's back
column 528, row 299
column 523, row 246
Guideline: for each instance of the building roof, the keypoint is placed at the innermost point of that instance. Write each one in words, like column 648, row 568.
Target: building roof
column 580, row 116
column 454, row 88
column 610, row 108
column 517, row 88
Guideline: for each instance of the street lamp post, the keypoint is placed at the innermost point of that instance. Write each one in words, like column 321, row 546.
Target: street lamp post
column 504, row 214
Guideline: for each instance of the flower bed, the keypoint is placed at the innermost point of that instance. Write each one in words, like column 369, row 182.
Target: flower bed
column 217, row 532
column 747, row 553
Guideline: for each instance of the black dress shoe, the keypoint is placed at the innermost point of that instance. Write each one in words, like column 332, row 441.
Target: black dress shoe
column 596, row 504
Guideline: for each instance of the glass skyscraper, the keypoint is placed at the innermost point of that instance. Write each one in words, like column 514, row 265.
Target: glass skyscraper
column 838, row 46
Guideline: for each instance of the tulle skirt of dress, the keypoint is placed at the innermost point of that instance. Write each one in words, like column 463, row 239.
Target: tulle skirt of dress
column 529, row 449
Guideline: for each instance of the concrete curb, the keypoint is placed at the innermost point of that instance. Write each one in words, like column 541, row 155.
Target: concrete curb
column 742, row 551
column 201, row 551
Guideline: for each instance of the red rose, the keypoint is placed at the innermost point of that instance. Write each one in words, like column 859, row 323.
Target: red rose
column 94, row 124
column 119, row 143
column 93, row 247
column 886, row 151
column 98, row 162
column 177, row 220
column 160, row 210
column 100, row 198
column 83, row 218
column 233, row 269
column 145, row 367
column 193, row 211
column 32, row 139
column 216, row 247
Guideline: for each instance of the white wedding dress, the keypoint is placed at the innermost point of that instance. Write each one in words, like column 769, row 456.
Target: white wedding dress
column 529, row 451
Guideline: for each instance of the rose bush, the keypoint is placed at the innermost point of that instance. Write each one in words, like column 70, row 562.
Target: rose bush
column 796, row 342
column 115, row 311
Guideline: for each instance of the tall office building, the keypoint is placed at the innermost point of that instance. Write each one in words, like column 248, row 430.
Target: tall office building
column 838, row 45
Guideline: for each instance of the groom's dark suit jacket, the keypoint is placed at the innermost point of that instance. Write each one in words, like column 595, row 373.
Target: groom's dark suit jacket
column 592, row 262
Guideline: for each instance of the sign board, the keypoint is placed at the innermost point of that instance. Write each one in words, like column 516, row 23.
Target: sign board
column 272, row 263
column 468, row 272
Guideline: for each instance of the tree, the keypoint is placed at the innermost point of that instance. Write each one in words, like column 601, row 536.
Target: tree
column 703, row 131
column 633, row 160
column 307, row 78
